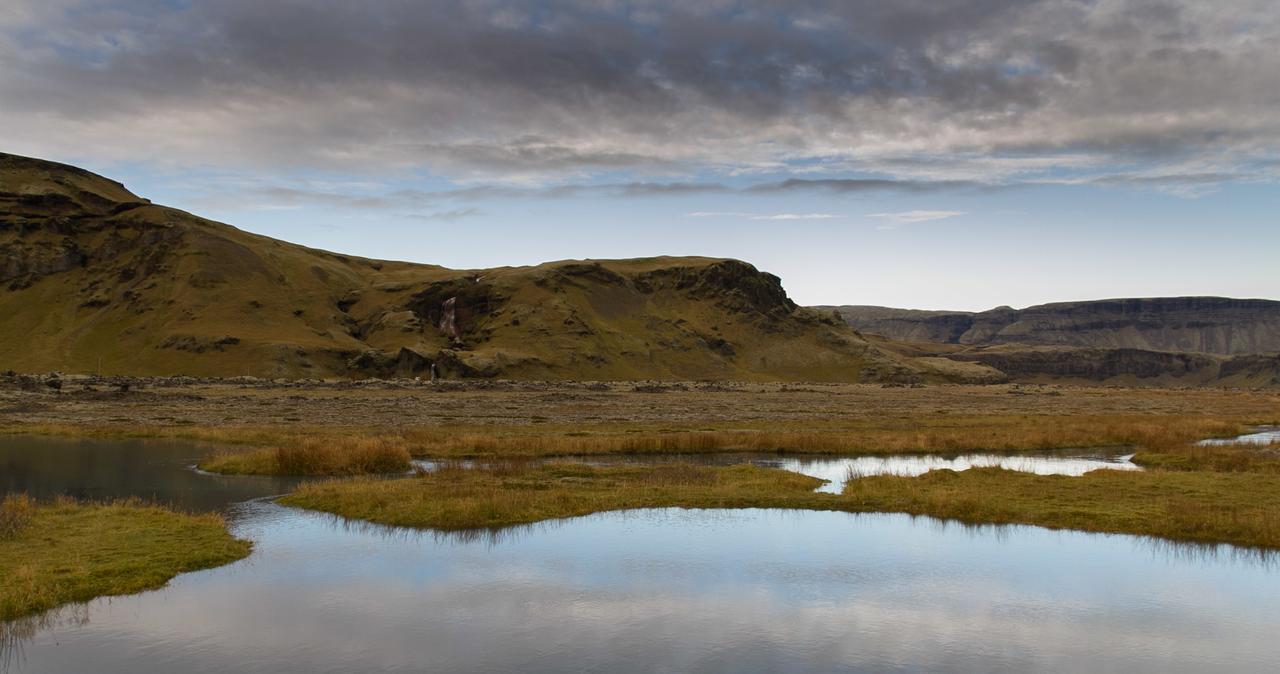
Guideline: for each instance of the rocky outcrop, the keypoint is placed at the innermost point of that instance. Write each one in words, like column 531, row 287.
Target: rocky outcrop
column 1216, row 325
column 1093, row 364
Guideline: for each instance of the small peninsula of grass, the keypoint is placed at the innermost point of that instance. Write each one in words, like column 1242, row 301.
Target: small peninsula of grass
column 1207, row 499
column 1197, row 506
column 456, row 498
column 64, row 552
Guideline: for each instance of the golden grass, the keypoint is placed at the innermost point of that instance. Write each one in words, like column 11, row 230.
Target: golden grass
column 351, row 451
column 74, row 552
column 16, row 511
column 314, row 456
column 1230, row 458
column 873, row 436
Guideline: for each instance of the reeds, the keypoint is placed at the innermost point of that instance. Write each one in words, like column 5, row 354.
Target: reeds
column 356, row 456
column 16, row 511
column 316, row 456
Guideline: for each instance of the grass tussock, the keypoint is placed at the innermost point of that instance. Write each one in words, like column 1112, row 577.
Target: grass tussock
column 315, row 456
column 74, row 552
column 16, row 511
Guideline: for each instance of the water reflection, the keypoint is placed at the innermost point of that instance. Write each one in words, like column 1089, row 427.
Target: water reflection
column 685, row 590
column 644, row 590
column 153, row 470
column 15, row 634
column 837, row 470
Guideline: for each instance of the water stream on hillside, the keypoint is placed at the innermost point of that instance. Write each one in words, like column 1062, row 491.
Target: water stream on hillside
column 644, row 590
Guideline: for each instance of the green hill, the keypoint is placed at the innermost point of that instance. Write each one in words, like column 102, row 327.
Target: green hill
column 96, row 279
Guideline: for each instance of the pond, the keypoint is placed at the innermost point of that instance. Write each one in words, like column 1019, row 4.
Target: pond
column 650, row 590
column 1261, row 436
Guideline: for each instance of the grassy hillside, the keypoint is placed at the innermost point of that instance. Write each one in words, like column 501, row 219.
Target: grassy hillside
column 96, row 279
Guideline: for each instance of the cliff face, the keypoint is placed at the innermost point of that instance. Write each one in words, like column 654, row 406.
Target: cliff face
column 94, row 278
column 1215, row 325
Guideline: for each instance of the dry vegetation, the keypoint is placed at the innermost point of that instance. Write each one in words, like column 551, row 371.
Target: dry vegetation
column 1226, row 493
column 314, row 456
column 313, row 429
column 16, row 511
column 73, row 552
column 1230, row 458
column 351, row 452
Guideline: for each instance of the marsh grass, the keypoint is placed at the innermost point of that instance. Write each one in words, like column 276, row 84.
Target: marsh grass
column 315, row 456
column 1234, row 507
column 1217, row 500
column 1244, row 457
column 350, row 451
column 926, row 434
column 74, row 552
column 459, row 498
column 16, row 511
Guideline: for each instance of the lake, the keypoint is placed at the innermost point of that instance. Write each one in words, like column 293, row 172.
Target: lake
column 648, row 590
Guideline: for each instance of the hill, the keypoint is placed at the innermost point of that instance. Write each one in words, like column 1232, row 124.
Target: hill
column 94, row 278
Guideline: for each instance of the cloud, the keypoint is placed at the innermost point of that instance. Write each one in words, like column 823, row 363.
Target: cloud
column 930, row 96
column 762, row 216
column 860, row 185
column 893, row 220
column 447, row 216
column 240, row 194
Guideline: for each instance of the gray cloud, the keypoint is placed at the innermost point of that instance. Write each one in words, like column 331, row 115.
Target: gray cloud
column 240, row 195
column 931, row 95
column 447, row 216
column 854, row 186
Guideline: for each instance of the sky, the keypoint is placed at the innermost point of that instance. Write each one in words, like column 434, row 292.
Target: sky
column 938, row 155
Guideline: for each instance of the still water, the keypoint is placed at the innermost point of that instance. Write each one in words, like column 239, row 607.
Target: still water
column 655, row 590
column 1260, row 436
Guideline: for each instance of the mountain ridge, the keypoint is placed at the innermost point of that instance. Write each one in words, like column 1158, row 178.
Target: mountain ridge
column 1192, row 324
column 94, row 278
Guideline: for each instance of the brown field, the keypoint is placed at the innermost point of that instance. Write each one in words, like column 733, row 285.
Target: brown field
column 1210, row 494
column 689, row 405
column 343, row 429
